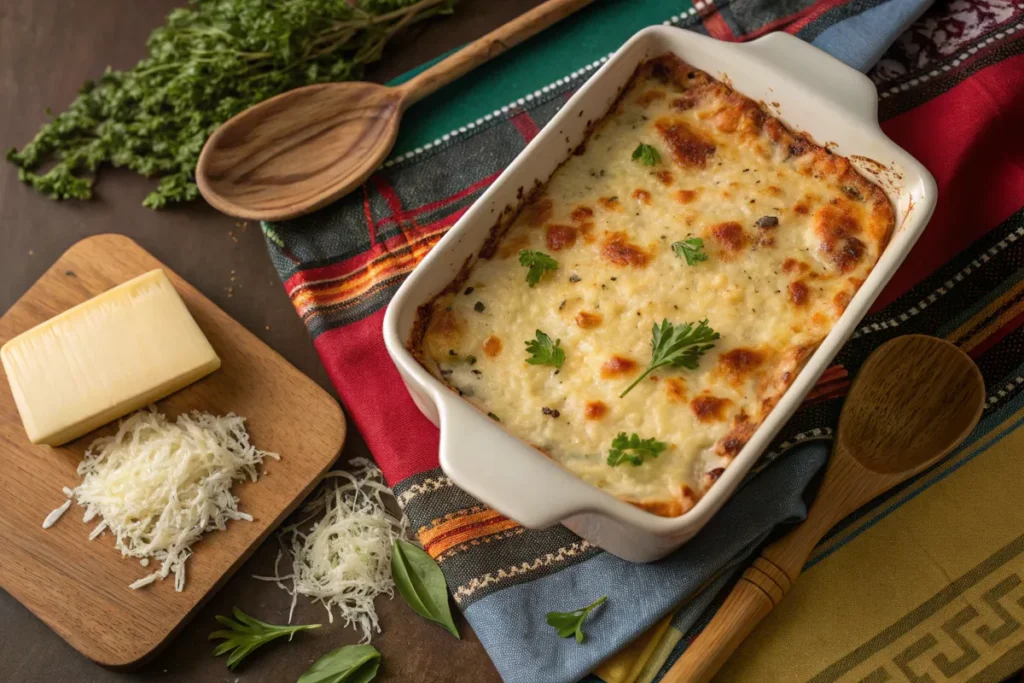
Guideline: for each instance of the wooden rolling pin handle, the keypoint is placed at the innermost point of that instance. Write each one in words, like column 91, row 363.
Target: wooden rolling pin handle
column 487, row 47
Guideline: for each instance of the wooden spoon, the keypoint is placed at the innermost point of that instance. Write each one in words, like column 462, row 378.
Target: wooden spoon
column 307, row 147
column 912, row 402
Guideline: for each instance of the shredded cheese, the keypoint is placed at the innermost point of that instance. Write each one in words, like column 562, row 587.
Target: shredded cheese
column 343, row 560
column 158, row 485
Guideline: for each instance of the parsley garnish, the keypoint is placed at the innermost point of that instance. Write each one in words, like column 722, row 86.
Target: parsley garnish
column 543, row 352
column 646, row 155
column 538, row 262
column 690, row 249
column 211, row 60
column 680, row 346
column 642, row 448
column 570, row 624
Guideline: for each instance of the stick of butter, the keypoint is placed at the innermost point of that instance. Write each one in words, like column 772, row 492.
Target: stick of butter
column 104, row 358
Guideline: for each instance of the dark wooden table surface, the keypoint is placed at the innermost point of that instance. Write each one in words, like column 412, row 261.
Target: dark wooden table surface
column 48, row 48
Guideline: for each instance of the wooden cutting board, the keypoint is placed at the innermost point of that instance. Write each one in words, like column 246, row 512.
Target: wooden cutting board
column 80, row 587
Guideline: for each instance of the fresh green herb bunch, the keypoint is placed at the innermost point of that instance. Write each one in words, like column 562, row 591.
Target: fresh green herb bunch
column 211, row 60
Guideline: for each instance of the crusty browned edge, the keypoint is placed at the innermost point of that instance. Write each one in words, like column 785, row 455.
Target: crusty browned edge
column 670, row 68
column 425, row 311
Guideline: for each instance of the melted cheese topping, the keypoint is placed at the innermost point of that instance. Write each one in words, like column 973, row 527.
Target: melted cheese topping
column 790, row 232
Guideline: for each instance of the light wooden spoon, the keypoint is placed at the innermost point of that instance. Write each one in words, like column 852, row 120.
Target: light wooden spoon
column 913, row 401
column 307, row 147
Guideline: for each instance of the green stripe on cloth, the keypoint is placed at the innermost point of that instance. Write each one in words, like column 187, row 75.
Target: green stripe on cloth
column 566, row 47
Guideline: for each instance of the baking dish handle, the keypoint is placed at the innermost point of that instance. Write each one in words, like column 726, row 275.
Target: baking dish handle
column 820, row 72
column 493, row 466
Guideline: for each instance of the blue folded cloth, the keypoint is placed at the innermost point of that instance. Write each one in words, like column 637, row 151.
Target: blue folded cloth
column 524, row 648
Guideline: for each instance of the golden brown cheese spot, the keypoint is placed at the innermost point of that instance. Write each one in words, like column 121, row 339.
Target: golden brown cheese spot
column 617, row 366
column 642, row 195
column 675, row 389
column 446, row 328
column 791, row 265
column 618, row 250
column 560, row 237
column 709, row 408
column 538, row 212
column 711, row 476
column 609, row 203
column 737, row 364
column 650, row 96
column 772, row 191
column 689, row 148
column 513, row 244
column 588, row 320
column 687, row 196
column 693, row 97
column 840, row 301
column 595, row 410
column 492, row 346
column 661, row 508
column 733, row 442
column 798, row 293
column 739, row 114
column 665, row 177
column 836, row 227
column 801, row 208
column 730, row 235
column 581, row 214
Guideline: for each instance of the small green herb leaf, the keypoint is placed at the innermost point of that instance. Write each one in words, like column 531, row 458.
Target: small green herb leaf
column 420, row 583
column 571, row 623
column 538, row 263
column 690, row 249
column 680, row 346
column 246, row 634
column 349, row 664
column 543, row 352
column 646, row 155
column 641, row 448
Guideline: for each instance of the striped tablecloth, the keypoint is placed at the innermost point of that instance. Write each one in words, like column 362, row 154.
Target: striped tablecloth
column 926, row 584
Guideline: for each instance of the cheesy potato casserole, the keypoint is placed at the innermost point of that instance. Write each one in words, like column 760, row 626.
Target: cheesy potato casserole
column 647, row 307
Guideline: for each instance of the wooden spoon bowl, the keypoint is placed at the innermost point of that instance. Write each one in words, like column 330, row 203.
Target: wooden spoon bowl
column 913, row 401
column 283, row 153
column 307, row 147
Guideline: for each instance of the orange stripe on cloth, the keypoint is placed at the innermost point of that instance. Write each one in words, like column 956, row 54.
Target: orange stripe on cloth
column 463, row 528
column 386, row 266
column 976, row 330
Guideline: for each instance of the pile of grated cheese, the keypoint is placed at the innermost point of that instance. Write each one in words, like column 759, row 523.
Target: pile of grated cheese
column 343, row 559
column 158, row 485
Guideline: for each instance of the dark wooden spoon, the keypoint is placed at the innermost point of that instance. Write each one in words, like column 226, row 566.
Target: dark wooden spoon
column 307, row 147
column 913, row 401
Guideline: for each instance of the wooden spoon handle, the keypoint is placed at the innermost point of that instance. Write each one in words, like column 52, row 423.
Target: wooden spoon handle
column 762, row 587
column 493, row 44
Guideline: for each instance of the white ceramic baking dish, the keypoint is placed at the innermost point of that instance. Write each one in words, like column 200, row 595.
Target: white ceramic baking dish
column 810, row 91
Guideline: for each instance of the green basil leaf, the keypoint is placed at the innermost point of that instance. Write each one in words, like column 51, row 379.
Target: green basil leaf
column 421, row 584
column 349, row 664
